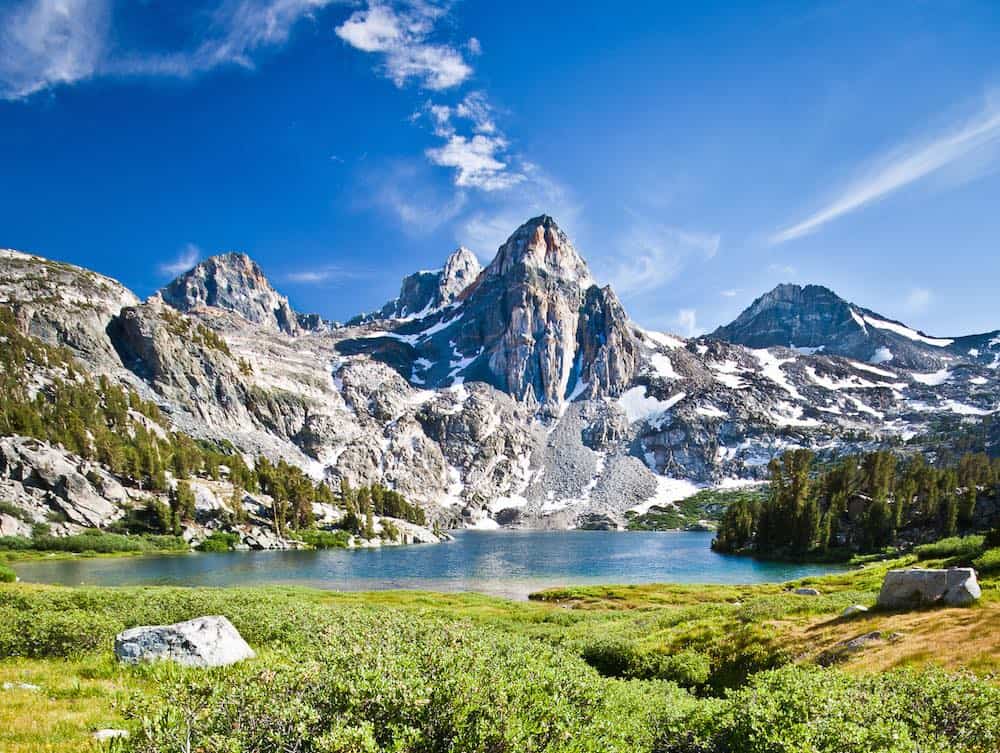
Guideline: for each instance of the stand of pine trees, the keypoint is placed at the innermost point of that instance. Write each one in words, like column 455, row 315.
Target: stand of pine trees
column 860, row 504
column 115, row 427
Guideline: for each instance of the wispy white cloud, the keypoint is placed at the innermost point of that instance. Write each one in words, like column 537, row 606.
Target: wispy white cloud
column 324, row 274
column 478, row 156
column 476, row 162
column 486, row 229
column 45, row 43
column 686, row 322
column 903, row 166
column 731, row 293
column 653, row 254
column 186, row 259
column 400, row 34
column 917, row 300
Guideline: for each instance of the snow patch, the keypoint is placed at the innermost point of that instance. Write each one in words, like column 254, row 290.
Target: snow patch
column 908, row 333
column 933, row 379
column 639, row 407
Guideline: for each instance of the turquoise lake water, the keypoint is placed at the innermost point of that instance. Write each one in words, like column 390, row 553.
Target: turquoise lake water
column 502, row 563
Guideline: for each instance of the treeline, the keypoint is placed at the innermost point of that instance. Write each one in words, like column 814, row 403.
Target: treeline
column 860, row 504
column 115, row 427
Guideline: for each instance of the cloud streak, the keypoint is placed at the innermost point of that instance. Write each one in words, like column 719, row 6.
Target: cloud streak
column 653, row 254
column 187, row 258
column 902, row 167
column 47, row 43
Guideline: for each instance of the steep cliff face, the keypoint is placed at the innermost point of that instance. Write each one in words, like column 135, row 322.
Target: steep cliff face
column 235, row 282
column 816, row 319
column 427, row 290
column 533, row 324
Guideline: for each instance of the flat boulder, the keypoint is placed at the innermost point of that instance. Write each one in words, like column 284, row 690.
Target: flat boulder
column 201, row 642
column 954, row 587
column 806, row 592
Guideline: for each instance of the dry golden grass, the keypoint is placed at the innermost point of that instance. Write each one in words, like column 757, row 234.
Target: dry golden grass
column 74, row 700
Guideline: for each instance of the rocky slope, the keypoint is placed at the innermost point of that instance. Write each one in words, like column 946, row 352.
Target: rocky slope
column 518, row 394
column 815, row 319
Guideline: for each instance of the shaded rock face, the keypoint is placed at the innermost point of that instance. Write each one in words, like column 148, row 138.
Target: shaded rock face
column 425, row 291
column 817, row 319
column 232, row 281
column 533, row 324
column 954, row 587
column 201, row 642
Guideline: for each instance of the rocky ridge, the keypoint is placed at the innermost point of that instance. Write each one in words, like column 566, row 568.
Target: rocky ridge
column 520, row 394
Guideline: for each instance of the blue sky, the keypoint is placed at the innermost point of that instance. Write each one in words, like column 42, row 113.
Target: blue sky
column 697, row 153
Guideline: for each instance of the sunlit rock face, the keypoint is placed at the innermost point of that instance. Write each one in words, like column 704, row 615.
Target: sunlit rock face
column 235, row 282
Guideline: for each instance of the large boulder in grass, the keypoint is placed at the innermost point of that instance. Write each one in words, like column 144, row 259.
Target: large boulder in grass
column 201, row 642
column 954, row 587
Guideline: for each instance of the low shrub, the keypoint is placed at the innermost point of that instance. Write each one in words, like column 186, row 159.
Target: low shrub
column 219, row 542
column 94, row 541
column 7, row 575
column 318, row 539
column 827, row 711
column 956, row 546
column 988, row 562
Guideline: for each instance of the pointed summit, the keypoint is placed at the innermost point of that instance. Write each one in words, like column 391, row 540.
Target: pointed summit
column 235, row 282
column 541, row 246
column 427, row 290
column 816, row 319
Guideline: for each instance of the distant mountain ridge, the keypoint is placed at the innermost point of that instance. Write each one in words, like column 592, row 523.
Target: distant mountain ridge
column 815, row 318
column 516, row 394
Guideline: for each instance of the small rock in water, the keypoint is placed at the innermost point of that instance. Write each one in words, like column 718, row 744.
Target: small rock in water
column 806, row 592
column 201, row 642
column 853, row 610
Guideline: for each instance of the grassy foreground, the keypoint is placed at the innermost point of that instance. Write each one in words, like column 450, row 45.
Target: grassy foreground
column 668, row 668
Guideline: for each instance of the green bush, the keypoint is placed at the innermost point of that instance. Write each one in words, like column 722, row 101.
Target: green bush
column 955, row 546
column 94, row 542
column 7, row 575
column 988, row 562
column 828, row 711
column 219, row 542
column 317, row 539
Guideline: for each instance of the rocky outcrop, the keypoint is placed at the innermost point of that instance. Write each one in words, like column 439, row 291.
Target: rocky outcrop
column 41, row 479
column 201, row 642
column 904, row 589
column 63, row 305
column 235, row 282
column 424, row 291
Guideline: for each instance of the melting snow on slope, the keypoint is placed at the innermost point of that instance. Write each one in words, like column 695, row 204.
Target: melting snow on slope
column 664, row 366
column 882, row 355
column 906, row 332
column 933, row 379
column 668, row 491
column 727, row 373
column 771, row 368
column 872, row 369
column 661, row 338
column 639, row 407
column 711, row 411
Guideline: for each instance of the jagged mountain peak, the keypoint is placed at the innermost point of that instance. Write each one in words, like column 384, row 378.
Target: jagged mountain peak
column 235, row 282
column 540, row 245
